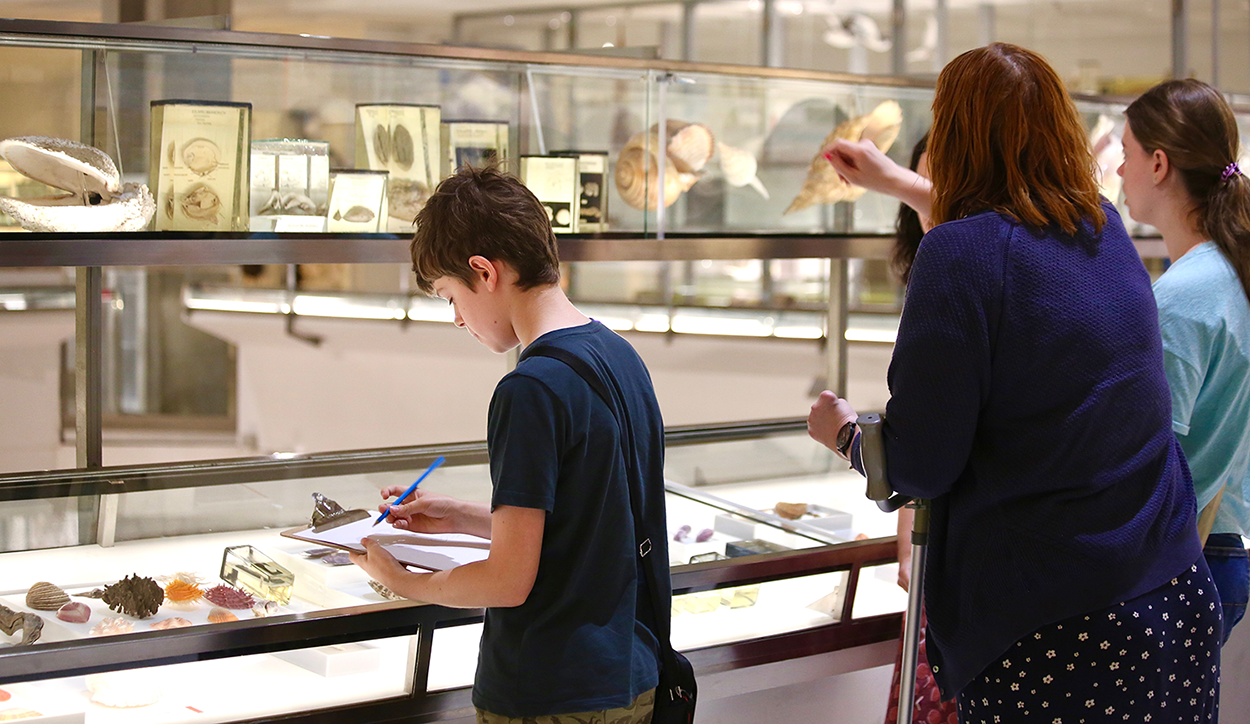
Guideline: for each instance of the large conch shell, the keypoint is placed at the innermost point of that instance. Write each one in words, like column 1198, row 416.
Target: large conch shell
column 740, row 167
column 690, row 146
column 823, row 184
column 96, row 198
column 1108, row 154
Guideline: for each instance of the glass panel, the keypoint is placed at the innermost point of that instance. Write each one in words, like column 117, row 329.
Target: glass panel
column 214, row 691
column 740, row 613
column 878, row 592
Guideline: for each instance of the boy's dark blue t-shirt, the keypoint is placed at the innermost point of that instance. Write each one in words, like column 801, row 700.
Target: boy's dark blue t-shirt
column 576, row 644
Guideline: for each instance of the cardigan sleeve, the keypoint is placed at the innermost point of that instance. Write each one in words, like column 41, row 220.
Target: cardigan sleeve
column 940, row 373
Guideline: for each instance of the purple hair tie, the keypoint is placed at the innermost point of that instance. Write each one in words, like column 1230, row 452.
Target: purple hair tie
column 1230, row 170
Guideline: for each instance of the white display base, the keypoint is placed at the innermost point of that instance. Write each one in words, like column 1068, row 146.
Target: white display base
column 337, row 660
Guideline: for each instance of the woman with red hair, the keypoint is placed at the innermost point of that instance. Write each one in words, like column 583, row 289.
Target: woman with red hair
column 1029, row 403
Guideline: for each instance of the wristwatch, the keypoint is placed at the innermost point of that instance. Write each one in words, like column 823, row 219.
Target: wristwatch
column 845, row 436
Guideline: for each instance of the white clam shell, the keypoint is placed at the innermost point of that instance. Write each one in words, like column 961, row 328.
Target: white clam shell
column 740, row 168
column 63, row 164
column 131, row 210
column 823, row 185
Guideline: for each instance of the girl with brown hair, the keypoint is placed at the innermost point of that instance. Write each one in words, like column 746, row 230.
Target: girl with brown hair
column 1029, row 404
column 1181, row 176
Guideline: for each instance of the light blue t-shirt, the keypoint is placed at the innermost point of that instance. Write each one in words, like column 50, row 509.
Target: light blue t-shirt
column 1205, row 321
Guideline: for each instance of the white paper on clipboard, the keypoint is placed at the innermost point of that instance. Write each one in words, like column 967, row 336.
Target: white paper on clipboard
column 431, row 551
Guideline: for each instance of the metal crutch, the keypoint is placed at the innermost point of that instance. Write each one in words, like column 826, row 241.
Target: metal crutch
column 872, row 454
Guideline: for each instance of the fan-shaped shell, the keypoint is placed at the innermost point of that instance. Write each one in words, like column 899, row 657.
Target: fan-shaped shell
column 44, row 596
column 637, row 172
column 221, row 615
column 823, row 185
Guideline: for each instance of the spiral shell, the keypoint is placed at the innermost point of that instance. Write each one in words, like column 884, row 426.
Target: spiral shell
column 740, row 167
column 823, row 184
column 637, row 172
column 221, row 615
column 690, row 145
column 44, row 596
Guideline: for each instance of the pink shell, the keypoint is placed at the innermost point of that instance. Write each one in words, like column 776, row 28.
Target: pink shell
column 228, row 597
column 175, row 622
column 74, row 612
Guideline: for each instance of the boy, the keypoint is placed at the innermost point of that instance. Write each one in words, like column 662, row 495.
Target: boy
column 568, row 624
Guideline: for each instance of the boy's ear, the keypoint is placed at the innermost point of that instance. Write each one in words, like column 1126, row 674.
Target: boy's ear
column 484, row 271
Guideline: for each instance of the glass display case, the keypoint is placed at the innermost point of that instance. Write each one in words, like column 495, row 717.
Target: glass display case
column 775, row 551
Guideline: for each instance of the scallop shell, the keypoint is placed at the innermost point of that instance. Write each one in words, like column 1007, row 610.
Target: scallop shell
column 227, row 597
column 166, row 624
column 740, row 167
column 44, row 596
column 221, row 615
column 112, row 626
column 823, row 185
column 637, row 172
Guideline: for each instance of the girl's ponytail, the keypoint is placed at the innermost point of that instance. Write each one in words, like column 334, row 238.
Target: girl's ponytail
column 1227, row 221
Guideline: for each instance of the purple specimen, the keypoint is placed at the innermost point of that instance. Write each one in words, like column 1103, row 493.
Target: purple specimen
column 681, row 533
column 704, row 535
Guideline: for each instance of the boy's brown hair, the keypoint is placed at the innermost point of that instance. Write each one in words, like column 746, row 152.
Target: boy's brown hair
column 483, row 212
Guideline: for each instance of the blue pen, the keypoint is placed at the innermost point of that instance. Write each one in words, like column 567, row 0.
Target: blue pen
column 437, row 461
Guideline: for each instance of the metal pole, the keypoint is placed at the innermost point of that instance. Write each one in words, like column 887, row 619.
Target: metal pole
column 1215, row 43
column 687, row 29
column 911, row 632
column 770, row 40
column 1180, row 38
column 898, row 31
column 88, row 367
column 942, row 52
column 835, row 326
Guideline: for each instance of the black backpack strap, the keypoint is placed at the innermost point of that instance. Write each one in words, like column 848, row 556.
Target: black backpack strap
column 642, row 540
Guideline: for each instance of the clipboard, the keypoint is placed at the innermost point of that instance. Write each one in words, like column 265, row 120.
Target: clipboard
column 428, row 551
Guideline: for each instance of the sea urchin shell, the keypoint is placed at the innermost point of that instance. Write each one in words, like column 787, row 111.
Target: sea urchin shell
column 227, row 597
column 183, row 594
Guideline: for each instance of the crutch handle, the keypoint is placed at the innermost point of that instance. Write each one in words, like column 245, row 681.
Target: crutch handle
column 872, row 453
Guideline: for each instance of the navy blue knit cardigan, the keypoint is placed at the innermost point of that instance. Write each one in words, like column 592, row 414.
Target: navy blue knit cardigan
column 1029, row 403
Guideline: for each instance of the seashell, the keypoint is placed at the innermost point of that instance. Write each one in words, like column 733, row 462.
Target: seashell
column 228, row 597
column 401, row 146
column 382, row 145
column 358, row 215
column 123, row 689
column 134, row 595
column 96, row 200
column 690, row 145
column 383, row 591
column 4, row 695
column 112, row 626
column 44, row 596
column 183, row 595
column 740, row 167
column 74, row 612
column 637, row 172
column 201, row 156
column 405, row 198
column 823, row 185
column 201, row 203
column 184, row 576
column 682, row 534
column 94, row 593
column 166, row 624
column 264, row 609
column 30, row 624
column 704, row 535
column 221, row 615
column 790, row 511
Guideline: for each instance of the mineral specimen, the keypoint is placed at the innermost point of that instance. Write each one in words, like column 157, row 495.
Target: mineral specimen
column 682, row 533
column 112, row 626
column 134, row 595
column 44, row 596
column 790, row 511
column 30, row 624
column 74, row 612
column 221, row 615
column 227, row 597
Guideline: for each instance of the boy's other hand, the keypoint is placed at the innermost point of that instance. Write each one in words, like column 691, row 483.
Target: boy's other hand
column 422, row 512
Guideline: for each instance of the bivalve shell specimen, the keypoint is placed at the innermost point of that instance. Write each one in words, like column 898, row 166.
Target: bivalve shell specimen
column 227, row 597
column 823, row 184
column 44, row 596
column 134, row 595
column 183, row 595
column 740, row 167
column 123, row 689
column 96, row 200
column 30, row 624
column 74, row 612
column 221, row 615
column 112, row 626
column 358, row 215
column 166, row 624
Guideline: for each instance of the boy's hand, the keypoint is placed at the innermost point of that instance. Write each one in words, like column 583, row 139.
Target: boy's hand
column 379, row 563
column 422, row 512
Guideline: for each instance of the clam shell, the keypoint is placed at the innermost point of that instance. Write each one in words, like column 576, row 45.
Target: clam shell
column 740, row 168
column 67, row 165
column 129, row 210
column 637, row 172
column 823, row 185
column 358, row 215
column 44, row 596
column 221, row 615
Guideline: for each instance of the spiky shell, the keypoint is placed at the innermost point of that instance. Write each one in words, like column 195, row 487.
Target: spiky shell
column 44, row 596
column 823, row 184
column 637, row 172
column 228, row 597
